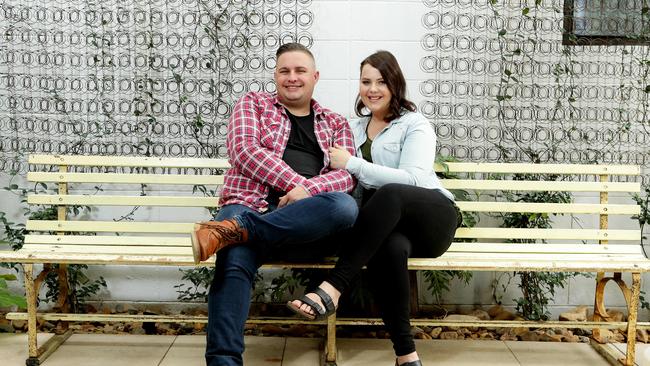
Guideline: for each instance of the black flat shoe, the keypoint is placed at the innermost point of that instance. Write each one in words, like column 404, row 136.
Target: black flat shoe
column 412, row 363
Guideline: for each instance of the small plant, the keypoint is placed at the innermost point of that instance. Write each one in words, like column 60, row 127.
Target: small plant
column 537, row 288
column 200, row 278
column 8, row 299
column 644, row 216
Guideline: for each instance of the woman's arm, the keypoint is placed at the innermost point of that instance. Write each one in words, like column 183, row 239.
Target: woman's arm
column 415, row 165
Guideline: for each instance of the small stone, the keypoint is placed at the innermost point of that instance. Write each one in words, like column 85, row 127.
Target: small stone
column 615, row 316
column 422, row 336
column 480, row 314
column 138, row 330
column 6, row 327
column 584, row 339
column 578, row 314
column 550, row 336
column 464, row 318
column 109, row 329
column 435, row 332
column 88, row 328
column 493, row 311
column 486, row 336
column 642, row 335
column 416, row 330
column 449, row 335
column 199, row 327
column 19, row 324
column 507, row 336
column 573, row 317
column 48, row 326
column 572, row 338
column 530, row 336
column 504, row 315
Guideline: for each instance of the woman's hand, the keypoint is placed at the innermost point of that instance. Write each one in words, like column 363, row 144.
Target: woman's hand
column 338, row 157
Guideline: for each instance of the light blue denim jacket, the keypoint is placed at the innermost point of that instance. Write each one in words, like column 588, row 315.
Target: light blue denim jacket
column 403, row 152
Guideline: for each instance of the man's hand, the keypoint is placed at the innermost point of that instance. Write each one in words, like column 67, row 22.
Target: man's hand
column 297, row 193
column 338, row 157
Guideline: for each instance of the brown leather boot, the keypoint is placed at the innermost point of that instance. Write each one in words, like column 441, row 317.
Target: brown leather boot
column 209, row 237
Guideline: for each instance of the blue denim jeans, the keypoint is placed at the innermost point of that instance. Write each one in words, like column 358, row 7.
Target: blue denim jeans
column 288, row 233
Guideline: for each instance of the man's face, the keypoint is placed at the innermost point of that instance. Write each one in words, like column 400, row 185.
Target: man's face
column 295, row 78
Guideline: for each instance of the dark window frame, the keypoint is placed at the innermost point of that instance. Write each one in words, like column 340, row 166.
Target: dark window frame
column 570, row 39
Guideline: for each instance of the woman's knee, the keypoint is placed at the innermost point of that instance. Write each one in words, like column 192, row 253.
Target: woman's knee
column 393, row 252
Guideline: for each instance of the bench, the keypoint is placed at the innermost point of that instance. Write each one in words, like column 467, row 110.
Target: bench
column 87, row 241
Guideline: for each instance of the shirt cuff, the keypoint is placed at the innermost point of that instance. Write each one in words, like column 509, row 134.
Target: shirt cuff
column 354, row 165
column 310, row 187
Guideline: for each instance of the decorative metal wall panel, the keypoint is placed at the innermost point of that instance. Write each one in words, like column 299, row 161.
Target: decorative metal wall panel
column 146, row 77
column 503, row 87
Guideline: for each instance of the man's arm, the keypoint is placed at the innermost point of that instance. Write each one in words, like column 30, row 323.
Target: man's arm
column 247, row 153
column 339, row 180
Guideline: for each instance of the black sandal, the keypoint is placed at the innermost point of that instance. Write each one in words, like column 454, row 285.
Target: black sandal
column 412, row 363
column 319, row 312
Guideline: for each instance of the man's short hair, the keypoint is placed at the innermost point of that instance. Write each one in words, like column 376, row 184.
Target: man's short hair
column 291, row 47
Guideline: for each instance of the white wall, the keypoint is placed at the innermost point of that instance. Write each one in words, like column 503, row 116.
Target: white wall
column 344, row 32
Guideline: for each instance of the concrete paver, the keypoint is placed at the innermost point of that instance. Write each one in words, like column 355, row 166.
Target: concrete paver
column 111, row 350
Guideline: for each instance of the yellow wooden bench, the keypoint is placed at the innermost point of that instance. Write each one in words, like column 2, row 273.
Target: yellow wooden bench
column 586, row 249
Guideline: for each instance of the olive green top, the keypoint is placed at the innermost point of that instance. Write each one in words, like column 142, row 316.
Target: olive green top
column 365, row 150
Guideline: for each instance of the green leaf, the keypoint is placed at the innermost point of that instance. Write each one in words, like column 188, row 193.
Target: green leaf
column 525, row 11
column 647, row 89
column 8, row 277
column 502, row 32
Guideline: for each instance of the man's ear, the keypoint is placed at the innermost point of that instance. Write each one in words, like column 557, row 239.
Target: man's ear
column 316, row 76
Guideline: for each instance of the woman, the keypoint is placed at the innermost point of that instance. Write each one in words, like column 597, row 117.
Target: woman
column 405, row 211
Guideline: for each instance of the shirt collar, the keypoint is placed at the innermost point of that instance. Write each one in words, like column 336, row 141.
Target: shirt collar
column 318, row 110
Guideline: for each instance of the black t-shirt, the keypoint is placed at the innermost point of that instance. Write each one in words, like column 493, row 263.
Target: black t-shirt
column 303, row 153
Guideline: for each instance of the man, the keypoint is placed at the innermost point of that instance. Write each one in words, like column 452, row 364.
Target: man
column 279, row 197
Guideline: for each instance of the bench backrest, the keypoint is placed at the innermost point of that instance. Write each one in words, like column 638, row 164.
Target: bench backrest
column 486, row 183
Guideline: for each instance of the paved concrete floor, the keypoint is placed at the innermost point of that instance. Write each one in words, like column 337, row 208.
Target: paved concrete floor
column 135, row 350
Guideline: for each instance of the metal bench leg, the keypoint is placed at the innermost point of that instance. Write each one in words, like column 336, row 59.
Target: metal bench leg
column 32, row 360
column 633, row 308
column 330, row 346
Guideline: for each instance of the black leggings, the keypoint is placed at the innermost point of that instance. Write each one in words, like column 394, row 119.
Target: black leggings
column 399, row 221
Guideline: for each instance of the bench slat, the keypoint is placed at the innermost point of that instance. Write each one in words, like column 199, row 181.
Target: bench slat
column 546, row 248
column 477, row 264
column 521, row 185
column 190, row 201
column 178, row 179
column 128, row 161
column 108, row 240
column 566, row 208
column 540, row 168
column 479, row 233
column 550, row 234
column 74, row 250
column 111, row 226
column 184, row 241
column 102, row 200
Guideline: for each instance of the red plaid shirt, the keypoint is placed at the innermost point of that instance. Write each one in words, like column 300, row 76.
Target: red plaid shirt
column 258, row 132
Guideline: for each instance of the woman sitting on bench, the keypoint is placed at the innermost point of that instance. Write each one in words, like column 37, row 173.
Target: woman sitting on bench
column 405, row 211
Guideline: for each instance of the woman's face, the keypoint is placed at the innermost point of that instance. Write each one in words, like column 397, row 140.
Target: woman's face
column 374, row 91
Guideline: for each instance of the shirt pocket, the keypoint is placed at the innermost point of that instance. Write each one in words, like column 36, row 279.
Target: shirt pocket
column 271, row 131
column 390, row 154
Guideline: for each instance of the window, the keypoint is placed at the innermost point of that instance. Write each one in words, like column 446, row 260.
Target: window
column 606, row 22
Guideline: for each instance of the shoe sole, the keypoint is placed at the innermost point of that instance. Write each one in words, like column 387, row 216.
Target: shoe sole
column 196, row 248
